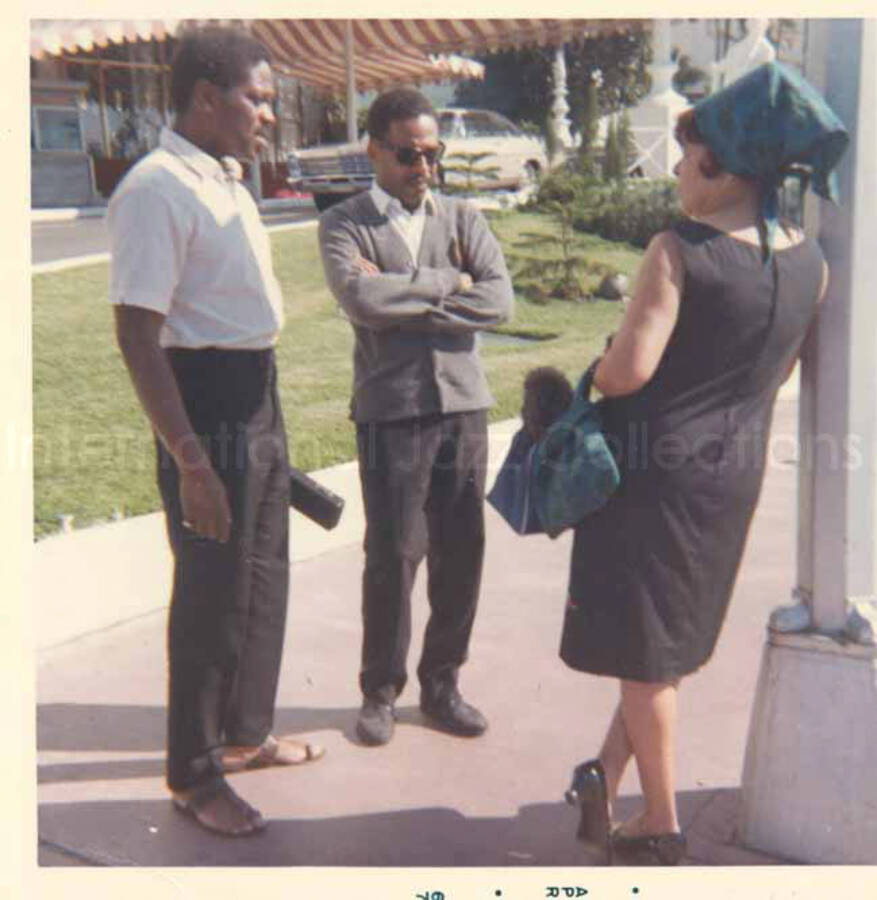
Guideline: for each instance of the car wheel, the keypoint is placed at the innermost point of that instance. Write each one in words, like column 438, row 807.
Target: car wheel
column 531, row 175
column 324, row 201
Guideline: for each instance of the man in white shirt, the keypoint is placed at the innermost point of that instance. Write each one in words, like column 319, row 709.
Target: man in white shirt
column 198, row 311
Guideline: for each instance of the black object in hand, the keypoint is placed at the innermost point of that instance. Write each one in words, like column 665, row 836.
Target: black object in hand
column 316, row 502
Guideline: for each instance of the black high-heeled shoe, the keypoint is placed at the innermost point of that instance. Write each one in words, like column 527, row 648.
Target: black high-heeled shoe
column 588, row 792
column 651, row 849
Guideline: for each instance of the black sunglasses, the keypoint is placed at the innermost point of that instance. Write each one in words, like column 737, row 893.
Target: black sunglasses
column 411, row 156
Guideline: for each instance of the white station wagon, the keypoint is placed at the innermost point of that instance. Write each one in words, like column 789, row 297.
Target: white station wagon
column 336, row 171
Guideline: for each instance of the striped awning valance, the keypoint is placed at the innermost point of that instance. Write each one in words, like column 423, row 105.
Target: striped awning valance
column 313, row 50
column 390, row 50
column 54, row 37
column 314, row 56
column 386, row 51
column 326, row 36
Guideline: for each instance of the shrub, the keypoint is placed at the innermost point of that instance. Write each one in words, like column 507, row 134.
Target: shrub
column 631, row 212
column 537, row 293
column 566, row 184
column 569, row 289
column 624, row 210
column 613, row 162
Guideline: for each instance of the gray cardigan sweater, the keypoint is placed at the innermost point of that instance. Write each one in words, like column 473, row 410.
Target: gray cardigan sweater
column 416, row 347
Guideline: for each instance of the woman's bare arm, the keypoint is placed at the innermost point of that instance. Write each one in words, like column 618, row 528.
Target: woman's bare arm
column 636, row 349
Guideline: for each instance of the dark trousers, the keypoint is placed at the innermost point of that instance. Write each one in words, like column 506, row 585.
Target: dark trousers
column 228, row 609
column 423, row 489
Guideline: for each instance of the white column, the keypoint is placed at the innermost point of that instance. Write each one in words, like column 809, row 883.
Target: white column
column 662, row 67
column 809, row 779
column 653, row 119
column 350, row 67
column 559, row 106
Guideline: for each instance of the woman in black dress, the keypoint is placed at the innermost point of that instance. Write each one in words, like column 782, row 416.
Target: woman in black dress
column 722, row 304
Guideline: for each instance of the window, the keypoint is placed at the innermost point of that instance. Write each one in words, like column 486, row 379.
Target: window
column 449, row 125
column 480, row 124
column 501, row 125
column 57, row 129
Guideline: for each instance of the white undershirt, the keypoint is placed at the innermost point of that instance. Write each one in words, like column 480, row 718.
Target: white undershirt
column 408, row 224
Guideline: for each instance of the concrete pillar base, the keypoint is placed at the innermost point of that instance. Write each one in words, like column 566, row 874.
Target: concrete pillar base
column 809, row 778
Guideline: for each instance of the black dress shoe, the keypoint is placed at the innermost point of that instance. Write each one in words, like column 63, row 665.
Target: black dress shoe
column 450, row 712
column 588, row 792
column 651, row 849
column 375, row 723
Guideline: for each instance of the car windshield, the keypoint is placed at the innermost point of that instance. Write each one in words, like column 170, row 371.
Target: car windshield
column 449, row 125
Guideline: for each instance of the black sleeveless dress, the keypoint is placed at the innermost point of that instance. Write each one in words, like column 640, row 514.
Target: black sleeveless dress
column 652, row 572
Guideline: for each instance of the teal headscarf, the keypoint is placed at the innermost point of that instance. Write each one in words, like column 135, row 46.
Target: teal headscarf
column 771, row 124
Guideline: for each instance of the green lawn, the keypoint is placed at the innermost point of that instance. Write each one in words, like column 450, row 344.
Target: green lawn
column 93, row 453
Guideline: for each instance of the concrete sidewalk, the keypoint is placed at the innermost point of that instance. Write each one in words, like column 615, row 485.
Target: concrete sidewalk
column 426, row 799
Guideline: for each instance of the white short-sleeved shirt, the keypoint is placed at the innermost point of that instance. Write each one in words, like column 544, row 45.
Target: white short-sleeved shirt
column 187, row 242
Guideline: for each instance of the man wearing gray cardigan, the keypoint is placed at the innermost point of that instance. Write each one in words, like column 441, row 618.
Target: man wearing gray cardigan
column 418, row 275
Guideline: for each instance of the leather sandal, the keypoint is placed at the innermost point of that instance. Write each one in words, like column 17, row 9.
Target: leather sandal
column 197, row 802
column 272, row 752
column 588, row 792
column 666, row 849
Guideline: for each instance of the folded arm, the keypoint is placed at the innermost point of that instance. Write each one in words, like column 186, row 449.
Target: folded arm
column 375, row 299
column 427, row 299
column 489, row 300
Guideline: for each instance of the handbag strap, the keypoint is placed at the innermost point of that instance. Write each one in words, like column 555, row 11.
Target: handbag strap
column 584, row 388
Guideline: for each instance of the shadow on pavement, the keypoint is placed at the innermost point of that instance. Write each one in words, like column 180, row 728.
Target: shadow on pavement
column 151, row 833
column 108, row 728
column 123, row 728
column 145, row 830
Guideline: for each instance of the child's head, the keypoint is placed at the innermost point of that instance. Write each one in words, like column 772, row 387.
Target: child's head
column 547, row 394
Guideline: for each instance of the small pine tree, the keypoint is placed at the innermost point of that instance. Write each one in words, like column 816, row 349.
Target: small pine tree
column 469, row 166
column 626, row 145
column 540, row 260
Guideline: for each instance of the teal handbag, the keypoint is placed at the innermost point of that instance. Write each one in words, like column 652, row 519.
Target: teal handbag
column 512, row 492
column 574, row 472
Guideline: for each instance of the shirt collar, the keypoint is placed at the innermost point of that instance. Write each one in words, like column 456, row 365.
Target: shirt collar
column 196, row 159
column 384, row 202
